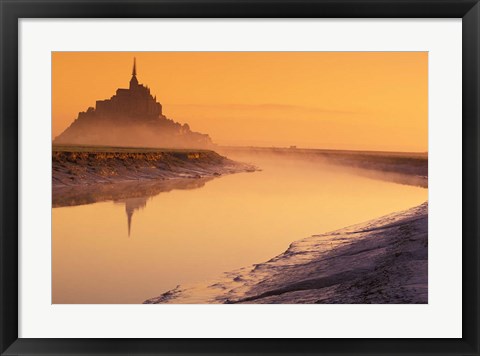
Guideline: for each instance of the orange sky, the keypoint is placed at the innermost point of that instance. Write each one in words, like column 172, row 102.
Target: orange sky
column 339, row 100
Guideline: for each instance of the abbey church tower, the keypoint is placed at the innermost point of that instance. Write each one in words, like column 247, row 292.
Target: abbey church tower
column 134, row 81
column 135, row 103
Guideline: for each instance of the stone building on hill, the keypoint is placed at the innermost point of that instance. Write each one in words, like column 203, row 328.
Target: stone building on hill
column 131, row 117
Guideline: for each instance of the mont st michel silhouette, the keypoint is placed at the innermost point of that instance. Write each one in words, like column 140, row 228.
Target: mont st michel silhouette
column 315, row 190
column 131, row 117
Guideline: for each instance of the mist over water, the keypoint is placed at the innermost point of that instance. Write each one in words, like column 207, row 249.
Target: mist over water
column 133, row 248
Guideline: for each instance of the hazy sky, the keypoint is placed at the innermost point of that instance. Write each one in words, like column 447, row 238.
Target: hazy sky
column 340, row 100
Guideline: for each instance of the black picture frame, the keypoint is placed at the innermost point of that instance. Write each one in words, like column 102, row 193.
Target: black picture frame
column 13, row 10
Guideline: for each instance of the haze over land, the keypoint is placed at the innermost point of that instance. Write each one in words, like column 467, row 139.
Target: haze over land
column 131, row 117
column 169, row 172
column 357, row 100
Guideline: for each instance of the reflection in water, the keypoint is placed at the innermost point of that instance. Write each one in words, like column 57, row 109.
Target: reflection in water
column 133, row 194
column 131, row 205
column 89, row 194
column 231, row 222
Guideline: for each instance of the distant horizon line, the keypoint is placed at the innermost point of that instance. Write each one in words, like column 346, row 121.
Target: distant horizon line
column 292, row 147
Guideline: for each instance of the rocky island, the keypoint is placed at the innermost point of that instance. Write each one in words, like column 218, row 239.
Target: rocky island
column 127, row 138
column 132, row 117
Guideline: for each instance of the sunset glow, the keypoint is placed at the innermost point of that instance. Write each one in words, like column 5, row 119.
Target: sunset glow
column 338, row 100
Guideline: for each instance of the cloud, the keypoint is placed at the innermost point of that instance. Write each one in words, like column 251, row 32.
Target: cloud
column 263, row 107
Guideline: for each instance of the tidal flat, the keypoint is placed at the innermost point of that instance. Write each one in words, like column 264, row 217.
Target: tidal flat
column 203, row 239
column 90, row 165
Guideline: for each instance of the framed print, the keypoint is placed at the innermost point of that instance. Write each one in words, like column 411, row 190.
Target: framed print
column 229, row 177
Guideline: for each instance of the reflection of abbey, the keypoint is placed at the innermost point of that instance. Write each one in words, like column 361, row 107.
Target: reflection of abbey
column 132, row 117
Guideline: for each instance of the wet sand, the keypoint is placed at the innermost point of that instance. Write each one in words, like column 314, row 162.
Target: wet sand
column 383, row 261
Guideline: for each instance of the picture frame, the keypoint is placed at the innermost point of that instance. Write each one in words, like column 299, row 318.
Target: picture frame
column 12, row 11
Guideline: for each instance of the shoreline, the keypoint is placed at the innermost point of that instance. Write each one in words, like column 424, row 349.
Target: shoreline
column 398, row 167
column 312, row 270
column 382, row 261
column 89, row 166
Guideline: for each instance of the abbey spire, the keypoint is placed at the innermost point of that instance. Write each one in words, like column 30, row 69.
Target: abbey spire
column 134, row 81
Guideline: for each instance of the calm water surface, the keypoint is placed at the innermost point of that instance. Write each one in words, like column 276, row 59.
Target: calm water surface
column 132, row 249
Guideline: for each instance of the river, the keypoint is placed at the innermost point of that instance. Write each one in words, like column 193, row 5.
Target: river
column 131, row 249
